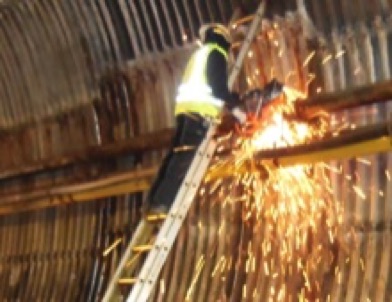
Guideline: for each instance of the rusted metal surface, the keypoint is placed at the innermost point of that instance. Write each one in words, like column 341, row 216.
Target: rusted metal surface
column 139, row 144
column 359, row 96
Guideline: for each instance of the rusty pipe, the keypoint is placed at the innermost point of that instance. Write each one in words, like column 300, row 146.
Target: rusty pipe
column 335, row 101
column 345, row 138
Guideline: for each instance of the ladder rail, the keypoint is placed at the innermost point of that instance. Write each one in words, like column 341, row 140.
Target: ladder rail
column 170, row 228
column 168, row 233
column 140, row 230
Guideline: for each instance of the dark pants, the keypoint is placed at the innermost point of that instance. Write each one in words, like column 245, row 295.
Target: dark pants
column 190, row 132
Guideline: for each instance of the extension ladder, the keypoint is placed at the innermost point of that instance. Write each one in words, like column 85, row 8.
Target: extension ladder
column 143, row 284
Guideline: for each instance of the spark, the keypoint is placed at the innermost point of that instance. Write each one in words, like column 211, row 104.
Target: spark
column 326, row 59
column 112, row 247
column 244, row 291
column 281, row 294
column 199, row 268
column 362, row 264
column 359, row 192
column 357, row 70
column 266, row 269
column 221, row 228
column 289, row 75
column 388, row 175
column 221, row 260
column 340, row 53
column 364, row 161
column 224, row 264
column 184, row 37
column 308, row 58
column 294, row 207
column 162, row 286
column 310, row 79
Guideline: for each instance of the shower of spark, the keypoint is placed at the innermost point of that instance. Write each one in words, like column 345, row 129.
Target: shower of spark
column 296, row 221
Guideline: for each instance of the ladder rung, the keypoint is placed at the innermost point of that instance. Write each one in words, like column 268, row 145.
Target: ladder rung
column 156, row 217
column 127, row 281
column 142, row 248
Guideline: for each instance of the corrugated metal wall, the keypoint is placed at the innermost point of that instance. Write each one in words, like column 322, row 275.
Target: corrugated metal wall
column 54, row 53
column 61, row 55
column 366, row 44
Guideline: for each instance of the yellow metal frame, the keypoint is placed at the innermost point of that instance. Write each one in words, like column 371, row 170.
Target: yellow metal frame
column 368, row 147
column 132, row 186
column 379, row 145
column 140, row 182
column 127, row 183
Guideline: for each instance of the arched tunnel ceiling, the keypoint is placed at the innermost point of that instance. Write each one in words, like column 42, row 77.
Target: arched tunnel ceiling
column 54, row 53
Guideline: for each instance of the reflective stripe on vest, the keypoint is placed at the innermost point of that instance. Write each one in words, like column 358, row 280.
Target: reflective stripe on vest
column 194, row 93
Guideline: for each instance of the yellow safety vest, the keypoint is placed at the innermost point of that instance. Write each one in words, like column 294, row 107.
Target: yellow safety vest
column 194, row 93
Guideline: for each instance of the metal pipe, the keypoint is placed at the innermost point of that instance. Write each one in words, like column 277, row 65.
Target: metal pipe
column 358, row 135
column 331, row 102
column 363, row 141
column 125, row 183
column 367, row 147
column 156, row 140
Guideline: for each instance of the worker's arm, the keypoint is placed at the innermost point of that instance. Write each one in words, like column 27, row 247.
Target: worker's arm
column 217, row 79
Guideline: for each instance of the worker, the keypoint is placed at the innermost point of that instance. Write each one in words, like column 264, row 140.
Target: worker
column 201, row 97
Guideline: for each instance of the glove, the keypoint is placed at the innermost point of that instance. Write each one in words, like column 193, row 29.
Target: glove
column 248, row 128
column 272, row 90
column 226, row 125
column 239, row 115
column 252, row 94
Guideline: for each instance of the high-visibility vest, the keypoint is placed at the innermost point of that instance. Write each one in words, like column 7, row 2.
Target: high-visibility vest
column 194, row 93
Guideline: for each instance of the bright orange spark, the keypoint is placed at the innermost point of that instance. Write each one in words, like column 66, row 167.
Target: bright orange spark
column 295, row 207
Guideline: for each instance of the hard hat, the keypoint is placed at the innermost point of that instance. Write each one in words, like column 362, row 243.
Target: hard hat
column 217, row 28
